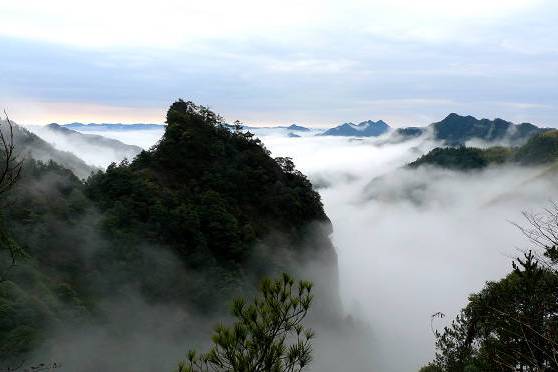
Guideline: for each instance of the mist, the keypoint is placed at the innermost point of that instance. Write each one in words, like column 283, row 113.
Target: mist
column 410, row 243
column 413, row 242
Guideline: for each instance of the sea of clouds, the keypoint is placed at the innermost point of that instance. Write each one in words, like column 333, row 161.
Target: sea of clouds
column 410, row 242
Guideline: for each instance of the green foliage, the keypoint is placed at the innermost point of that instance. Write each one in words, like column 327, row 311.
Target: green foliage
column 205, row 190
column 541, row 148
column 464, row 158
column 179, row 225
column 460, row 158
column 511, row 325
column 268, row 335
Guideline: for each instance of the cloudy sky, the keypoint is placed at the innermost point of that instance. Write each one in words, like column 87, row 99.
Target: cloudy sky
column 315, row 62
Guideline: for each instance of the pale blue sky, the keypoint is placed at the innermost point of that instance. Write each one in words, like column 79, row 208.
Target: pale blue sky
column 277, row 62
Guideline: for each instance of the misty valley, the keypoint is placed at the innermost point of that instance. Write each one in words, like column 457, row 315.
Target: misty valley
column 207, row 245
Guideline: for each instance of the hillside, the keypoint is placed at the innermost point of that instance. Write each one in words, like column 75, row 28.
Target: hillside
column 92, row 148
column 29, row 145
column 541, row 149
column 199, row 218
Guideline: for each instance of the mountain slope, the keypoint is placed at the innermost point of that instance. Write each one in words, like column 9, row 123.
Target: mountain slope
column 92, row 148
column 365, row 129
column 30, row 145
column 540, row 149
column 216, row 197
column 185, row 226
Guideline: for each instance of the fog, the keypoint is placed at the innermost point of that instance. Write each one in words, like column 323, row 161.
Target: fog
column 410, row 242
column 142, row 138
column 93, row 148
column 413, row 242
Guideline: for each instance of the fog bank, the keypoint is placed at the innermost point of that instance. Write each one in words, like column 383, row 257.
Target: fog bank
column 413, row 242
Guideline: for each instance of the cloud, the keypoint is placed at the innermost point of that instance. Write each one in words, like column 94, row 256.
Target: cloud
column 313, row 63
column 413, row 242
column 170, row 23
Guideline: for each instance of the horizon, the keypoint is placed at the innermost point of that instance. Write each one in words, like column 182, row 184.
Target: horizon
column 298, row 123
column 317, row 63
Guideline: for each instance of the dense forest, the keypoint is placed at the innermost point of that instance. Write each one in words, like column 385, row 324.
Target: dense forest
column 202, row 218
column 186, row 223
column 540, row 149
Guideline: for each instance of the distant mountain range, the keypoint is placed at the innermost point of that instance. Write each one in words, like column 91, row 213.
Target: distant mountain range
column 454, row 130
column 107, row 126
column 367, row 128
column 457, row 130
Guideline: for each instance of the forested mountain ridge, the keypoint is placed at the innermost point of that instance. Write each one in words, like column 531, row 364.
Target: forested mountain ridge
column 541, row 148
column 456, row 130
column 199, row 164
column 199, row 218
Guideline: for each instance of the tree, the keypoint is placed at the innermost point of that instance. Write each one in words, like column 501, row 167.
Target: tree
column 10, row 170
column 511, row 325
column 268, row 335
column 542, row 231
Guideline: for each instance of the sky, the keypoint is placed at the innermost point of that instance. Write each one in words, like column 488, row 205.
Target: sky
column 317, row 62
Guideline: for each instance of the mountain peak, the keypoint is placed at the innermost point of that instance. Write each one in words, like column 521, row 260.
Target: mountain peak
column 368, row 128
column 457, row 129
column 298, row 128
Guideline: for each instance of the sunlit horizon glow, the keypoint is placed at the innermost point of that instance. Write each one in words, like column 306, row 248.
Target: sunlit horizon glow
column 316, row 63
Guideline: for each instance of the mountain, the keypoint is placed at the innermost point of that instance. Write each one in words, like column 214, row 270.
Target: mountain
column 297, row 128
column 92, row 148
column 410, row 132
column 456, row 130
column 160, row 241
column 464, row 158
column 540, row 149
column 109, row 127
column 211, row 193
column 29, row 145
column 365, row 129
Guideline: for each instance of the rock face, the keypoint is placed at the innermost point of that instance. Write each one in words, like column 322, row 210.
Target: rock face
column 365, row 129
